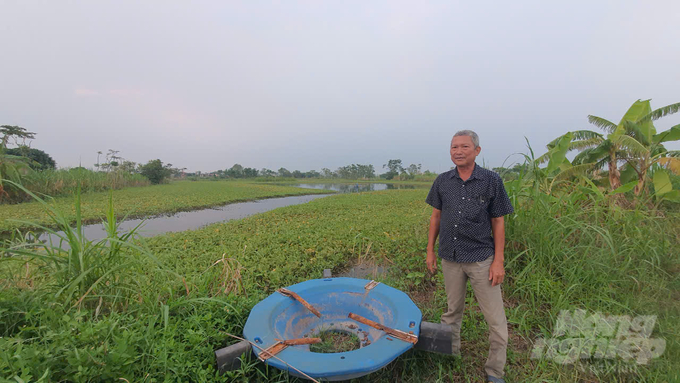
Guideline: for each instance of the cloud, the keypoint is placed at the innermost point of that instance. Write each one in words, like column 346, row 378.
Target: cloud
column 84, row 92
column 120, row 92
column 125, row 92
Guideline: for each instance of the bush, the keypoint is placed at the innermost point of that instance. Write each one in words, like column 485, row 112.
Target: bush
column 155, row 171
column 39, row 159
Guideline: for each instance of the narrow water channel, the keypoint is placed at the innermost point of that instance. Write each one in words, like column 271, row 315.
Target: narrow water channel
column 191, row 220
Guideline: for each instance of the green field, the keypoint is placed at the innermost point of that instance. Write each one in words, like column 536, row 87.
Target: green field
column 150, row 200
column 162, row 319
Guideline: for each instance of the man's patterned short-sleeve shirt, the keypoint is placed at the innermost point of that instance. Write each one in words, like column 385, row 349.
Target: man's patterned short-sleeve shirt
column 467, row 208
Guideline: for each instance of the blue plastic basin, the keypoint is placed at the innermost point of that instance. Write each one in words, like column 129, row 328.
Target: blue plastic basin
column 281, row 317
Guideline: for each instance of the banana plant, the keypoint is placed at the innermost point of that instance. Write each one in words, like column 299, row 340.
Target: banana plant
column 644, row 146
column 558, row 149
column 663, row 188
column 633, row 140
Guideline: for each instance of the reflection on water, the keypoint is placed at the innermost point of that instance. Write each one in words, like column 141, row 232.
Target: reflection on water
column 356, row 187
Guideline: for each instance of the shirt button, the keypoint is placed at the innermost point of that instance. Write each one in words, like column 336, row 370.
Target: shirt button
column 463, row 197
column 454, row 238
column 460, row 213
column 455, row 225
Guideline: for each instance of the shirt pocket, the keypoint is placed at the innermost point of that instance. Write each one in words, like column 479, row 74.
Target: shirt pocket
column 479, row 208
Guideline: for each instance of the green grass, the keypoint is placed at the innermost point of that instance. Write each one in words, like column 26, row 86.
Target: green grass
column 334, row 341
column 146, row 201
column 562, row 253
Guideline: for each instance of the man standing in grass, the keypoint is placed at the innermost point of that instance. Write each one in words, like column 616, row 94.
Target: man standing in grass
column 469, row 203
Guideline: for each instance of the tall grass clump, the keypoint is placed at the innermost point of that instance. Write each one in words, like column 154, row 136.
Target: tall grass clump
column 573, row 245
column 66, row 181
column 81, row 270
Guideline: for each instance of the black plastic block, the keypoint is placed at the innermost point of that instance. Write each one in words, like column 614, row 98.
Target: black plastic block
column 435, row 337
column 229, row 358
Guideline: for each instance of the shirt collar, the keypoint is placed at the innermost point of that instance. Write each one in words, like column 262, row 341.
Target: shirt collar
column 476, row 173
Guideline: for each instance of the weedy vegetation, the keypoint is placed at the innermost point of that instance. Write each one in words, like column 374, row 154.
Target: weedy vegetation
column 155, row 310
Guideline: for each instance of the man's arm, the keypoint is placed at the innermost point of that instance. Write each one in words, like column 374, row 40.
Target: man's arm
column 435, row 220
column 496, row 271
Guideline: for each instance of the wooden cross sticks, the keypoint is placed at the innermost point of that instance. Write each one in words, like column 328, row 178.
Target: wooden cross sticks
column 298, row 298
column 401, row 335
column 281, row 345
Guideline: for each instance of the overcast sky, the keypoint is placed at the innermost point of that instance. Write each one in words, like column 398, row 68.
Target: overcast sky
column 311, row 84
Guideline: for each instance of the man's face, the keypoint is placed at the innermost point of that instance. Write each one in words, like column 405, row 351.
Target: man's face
column 463, row 151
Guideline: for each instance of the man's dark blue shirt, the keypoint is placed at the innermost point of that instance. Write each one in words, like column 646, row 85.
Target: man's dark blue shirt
column 467, row 208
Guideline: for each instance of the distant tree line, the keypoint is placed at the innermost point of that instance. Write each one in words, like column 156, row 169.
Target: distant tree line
column 15, row 162
column 155, row 170
column 395, row 170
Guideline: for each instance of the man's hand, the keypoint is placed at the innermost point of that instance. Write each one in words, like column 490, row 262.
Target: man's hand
column 431, row 258
column 496, row 272
column 431, row 261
